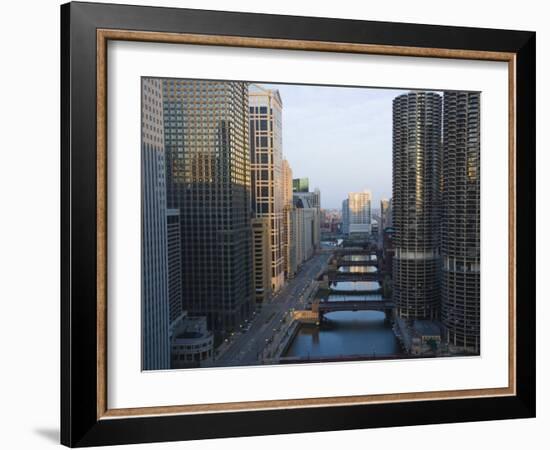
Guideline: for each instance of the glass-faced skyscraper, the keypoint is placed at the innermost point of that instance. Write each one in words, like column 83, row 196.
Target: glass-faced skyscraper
column 154, row 259
column 266, row 157
column 416, row 203
column 208, row 179
column 460, row 237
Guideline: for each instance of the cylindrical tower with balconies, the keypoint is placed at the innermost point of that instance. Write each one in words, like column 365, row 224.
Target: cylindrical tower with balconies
column 416, row 204
column 460, row 224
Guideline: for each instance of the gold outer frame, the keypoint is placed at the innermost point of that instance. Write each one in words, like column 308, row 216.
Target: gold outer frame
column 103, row 36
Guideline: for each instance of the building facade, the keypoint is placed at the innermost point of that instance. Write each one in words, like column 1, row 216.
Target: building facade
column 173, row 238
column 261, row 258
column 345, row 216
column 311, row 200
column 416, row 204
column 154, row 260
column 306, row 221
column 359, row 213
column 288, row 236
column 385, row 214
column 266, row 156
column 206, row 130
column 460, row 227
column 192, row 344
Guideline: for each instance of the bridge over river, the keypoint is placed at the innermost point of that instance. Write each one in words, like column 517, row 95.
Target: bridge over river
column 333, row 276
column 328, row 306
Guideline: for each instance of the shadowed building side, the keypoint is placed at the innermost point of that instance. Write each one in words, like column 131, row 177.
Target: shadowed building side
column 154, row 260
column 208, row 180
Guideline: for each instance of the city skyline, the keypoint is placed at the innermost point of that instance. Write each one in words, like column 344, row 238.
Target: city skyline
column 245, row 257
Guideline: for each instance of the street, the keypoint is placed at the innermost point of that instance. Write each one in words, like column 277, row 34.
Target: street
column 248, row 345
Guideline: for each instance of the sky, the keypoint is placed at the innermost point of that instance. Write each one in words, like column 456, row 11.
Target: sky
column 340, row 138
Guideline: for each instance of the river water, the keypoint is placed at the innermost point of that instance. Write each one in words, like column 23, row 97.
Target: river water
column 360, row 333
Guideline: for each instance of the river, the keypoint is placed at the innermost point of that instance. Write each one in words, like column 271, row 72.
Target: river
column 360, row 333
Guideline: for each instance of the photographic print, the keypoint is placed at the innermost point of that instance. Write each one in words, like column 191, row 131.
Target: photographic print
column 291, row 223
column 265, row 217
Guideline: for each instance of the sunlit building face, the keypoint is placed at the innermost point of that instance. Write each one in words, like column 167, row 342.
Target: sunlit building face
column 266, row 155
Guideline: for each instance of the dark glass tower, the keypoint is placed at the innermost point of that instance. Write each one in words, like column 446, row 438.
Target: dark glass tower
column 416, row 204
column 460, row 230
column 208, row 179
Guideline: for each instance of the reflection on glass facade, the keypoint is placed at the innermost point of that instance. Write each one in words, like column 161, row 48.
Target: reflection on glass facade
column 208, row 179
column 460, row 248
column 416, row 203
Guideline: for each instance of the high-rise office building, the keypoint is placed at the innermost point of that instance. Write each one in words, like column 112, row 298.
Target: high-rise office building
column 288, row 236
column 359, row 210
column 460, row 227
column 345, row 216
column 306, row 223
column 206, row 131
column 312, row 200
column 154, row 262
column 300, row 185
column 416, row 204
column 266, row 156
column 173, row 237
column 261, row 248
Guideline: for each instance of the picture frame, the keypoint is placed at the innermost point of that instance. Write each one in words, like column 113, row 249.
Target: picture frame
column 86, row 418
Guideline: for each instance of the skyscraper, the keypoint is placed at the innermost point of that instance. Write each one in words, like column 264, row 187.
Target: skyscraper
column 359, row 207
column 206, row 131
column 306, row 222
column 311, row 200
column 154, row 272
column 460, row 227
column 345, row 216
column 416, row 203
column 288, row 236
column 266, row 156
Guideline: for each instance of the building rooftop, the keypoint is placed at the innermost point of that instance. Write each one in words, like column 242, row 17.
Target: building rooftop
column 426, row 328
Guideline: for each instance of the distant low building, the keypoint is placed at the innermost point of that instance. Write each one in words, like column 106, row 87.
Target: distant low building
column 192, row 345
column 426, row 337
